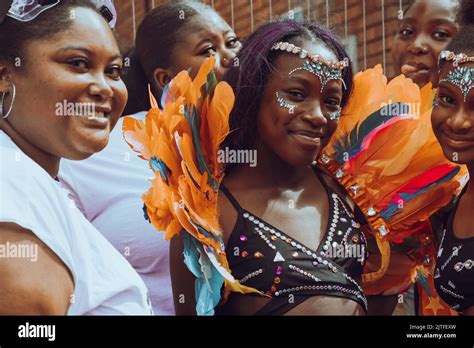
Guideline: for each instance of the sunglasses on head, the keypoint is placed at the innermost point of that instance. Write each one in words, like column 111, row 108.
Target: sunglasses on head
column 28, row 10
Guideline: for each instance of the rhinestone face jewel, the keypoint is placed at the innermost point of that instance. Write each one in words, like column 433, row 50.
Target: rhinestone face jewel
column 325, row 70
column 321, row 70
column 456, row 58
column 334, row 116
column 462, row 77
column 288, row 47
column 284, row 104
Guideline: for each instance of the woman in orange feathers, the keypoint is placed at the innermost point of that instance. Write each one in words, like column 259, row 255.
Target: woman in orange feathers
column 278, row 218
column 424, row 31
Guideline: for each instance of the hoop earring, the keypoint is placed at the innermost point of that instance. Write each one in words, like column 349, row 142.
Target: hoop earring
column 11, row 104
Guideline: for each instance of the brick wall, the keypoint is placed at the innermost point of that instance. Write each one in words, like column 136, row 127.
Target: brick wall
column 246, row 15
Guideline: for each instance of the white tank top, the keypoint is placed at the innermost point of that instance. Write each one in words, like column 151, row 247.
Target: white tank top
column 104, row 282
column 107, row 188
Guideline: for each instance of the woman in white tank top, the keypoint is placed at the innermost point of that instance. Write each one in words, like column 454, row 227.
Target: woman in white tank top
column 60, row 96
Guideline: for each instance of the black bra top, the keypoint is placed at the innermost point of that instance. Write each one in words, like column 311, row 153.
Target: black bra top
column 265, row 258
column 454, row 273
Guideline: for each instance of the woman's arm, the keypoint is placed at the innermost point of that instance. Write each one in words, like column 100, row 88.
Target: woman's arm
column 39, row 284
column 182, row 279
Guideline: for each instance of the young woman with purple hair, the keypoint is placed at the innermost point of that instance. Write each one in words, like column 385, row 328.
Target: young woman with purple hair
column 281, row 214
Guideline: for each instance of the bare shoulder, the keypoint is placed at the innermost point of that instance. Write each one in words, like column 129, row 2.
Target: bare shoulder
column 227, row 212
column 34, row 280
column 332, row 182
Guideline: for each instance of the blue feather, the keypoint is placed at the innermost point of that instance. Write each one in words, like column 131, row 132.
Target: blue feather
column 424, row 282
column 160, row 166
column 209, row 281
column 201, row 161
column 165, row 95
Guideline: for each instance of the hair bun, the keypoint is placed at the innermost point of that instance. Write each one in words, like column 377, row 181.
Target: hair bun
column 466, row 12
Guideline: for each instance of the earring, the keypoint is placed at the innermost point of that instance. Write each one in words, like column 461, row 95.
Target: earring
column 336, row 115
column 2, row 101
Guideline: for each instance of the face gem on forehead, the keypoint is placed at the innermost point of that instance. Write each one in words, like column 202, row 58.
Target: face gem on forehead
column 321, row 70
column 462, row 77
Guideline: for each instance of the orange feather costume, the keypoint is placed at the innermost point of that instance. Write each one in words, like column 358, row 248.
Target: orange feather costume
column 385, row 154
column 181, row 143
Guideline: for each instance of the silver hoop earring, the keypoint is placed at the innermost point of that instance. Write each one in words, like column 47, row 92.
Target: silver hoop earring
column 11, row 104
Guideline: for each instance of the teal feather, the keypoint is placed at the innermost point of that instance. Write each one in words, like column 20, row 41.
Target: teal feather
column 209, row 281
column 157, row 165
column 201, row 161
column 421, row 279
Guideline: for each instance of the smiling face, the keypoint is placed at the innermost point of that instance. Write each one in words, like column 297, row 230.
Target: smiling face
column 207, row 34
column 453, row 117
column 79, row 68
column 296, row 118
column 424, row 32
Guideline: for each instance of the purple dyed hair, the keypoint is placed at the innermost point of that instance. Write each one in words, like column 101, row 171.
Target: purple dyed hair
column 249, row 79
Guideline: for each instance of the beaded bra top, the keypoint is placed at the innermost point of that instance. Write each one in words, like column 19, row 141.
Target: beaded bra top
column 263, row 257
column 454, row 273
